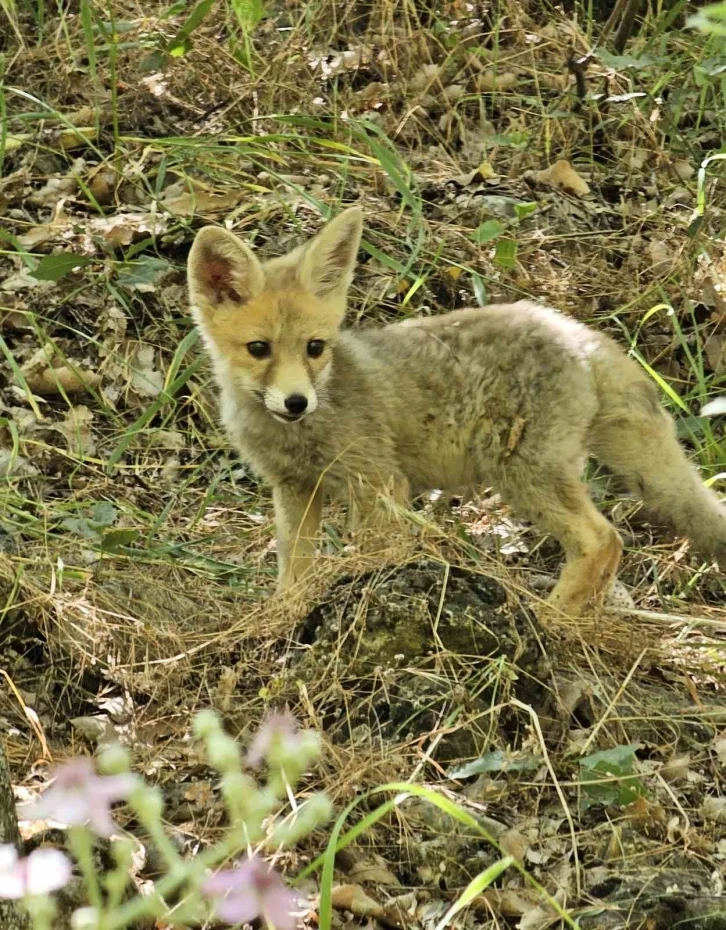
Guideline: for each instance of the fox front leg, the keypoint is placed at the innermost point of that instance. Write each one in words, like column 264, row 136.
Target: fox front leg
column 298, row 512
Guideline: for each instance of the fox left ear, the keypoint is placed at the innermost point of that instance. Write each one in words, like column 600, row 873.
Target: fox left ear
column 329, row 259
column 221, row 268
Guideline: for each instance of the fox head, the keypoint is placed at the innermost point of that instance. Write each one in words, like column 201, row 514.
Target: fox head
column 270, row 328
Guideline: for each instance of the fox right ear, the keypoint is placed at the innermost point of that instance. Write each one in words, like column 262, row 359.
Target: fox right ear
column 221, row 268
column 329, row 259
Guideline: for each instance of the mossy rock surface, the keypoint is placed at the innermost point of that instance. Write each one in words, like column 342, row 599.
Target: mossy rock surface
column 399, row 645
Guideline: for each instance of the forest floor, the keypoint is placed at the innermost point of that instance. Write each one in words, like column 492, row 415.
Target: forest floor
column 498, row 153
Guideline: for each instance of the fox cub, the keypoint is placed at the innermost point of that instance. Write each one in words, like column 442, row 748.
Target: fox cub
column 512, row 396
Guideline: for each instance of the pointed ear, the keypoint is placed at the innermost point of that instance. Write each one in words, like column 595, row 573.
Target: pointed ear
column 222, row 268
column 329, row 259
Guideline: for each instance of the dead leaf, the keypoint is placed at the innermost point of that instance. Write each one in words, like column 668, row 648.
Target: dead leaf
column 103, row 185
column 425, row 77
column 77, row 429
column 42, row 378
column 53, row 191
column 484, row 172
column 146, row 380
column 684, row 169
column 454, row 92
column 199, row 793
column 201, row 202
column 95, row 729
column 125, row 228
column 168, row 439
column 491, row 80
column 85, row 116
column 714, row 808
column 514, row 843
column 56, row 380
column 15, row 321
column 23, row 280
column 715, row 349
column 648, row 817
column 719, row 746
column 563, row 175
column 354, row 899
column 77, row 138
column 553, row 81
column 618, row 596
column 508, row 902
column 542, row 916
column 15, row 141
column 15, row 466
column 676, row 769
column 373, row 870
column 660, row 255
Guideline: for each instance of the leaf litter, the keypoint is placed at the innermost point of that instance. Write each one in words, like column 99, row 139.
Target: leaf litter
column 129, row 529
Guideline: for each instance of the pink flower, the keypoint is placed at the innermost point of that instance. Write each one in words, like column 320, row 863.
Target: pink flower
column 78, row 797
column 251, row 890
column 43, row 871
column 278, row 735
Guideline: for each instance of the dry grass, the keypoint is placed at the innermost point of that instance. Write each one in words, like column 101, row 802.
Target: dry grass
column 397, row 109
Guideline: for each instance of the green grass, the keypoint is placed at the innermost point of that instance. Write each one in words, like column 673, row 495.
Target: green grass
column 170, row 593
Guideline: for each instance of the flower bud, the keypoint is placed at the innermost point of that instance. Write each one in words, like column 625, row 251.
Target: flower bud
column 114, row 761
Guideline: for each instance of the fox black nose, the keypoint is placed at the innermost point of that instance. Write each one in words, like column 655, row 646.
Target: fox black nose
column 296, row 404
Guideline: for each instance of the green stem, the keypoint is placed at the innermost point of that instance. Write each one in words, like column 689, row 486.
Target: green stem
column 80, row 841
column 137, row 908
column 42, row 911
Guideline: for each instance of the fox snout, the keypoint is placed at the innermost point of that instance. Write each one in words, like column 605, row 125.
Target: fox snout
column 296, row 404
column 290, row 404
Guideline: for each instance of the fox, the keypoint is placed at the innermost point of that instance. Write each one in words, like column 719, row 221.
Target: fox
column 511, row 396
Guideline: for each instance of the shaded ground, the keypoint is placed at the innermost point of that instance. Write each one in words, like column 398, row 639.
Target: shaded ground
column 136, row 553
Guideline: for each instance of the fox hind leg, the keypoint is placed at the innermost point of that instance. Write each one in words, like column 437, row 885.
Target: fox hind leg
column 558, row 502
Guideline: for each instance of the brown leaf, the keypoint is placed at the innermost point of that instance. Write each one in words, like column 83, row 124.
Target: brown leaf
column 77, row 138
column 354, row 899
column 373, row 870
column 563, row 175
column 49, row 381
column 514, row 843
column 714, row 809
column 541, row 916
column 125, row 228
column 490, row 80
column 201, row 202
column 77, row 429
column 648, row 817
column 676, row 769
column 715, row 349
column 146, row 380
column 103, row 185
column 508, row 902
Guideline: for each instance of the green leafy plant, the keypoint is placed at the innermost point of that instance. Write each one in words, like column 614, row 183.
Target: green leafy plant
column 609, row 777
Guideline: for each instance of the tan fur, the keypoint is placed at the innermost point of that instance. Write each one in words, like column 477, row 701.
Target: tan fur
column 512, row 396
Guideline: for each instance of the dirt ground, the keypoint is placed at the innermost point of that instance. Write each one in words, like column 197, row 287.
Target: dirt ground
column 500, row 150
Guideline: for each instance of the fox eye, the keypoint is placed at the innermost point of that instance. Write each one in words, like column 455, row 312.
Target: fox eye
column 316, row 348
column 259, row 349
